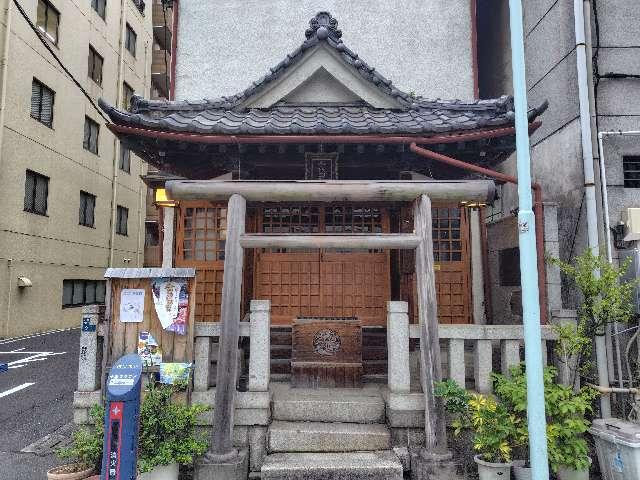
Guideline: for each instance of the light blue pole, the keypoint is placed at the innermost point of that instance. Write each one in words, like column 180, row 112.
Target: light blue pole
column 528, row 265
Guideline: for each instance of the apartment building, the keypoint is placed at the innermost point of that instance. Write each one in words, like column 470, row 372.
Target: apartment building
column 73, row 200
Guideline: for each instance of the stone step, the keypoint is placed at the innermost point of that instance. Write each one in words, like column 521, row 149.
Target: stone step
column 328, row 405
column 381, row 465
column 327, row 437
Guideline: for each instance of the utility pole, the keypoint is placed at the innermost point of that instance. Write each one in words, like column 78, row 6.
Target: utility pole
column 536, row 418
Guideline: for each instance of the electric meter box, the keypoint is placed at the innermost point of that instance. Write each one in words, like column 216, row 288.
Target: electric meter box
column 618, row 446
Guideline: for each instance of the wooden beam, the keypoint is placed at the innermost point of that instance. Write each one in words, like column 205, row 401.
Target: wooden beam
column 482, row 191
column 430, row 368
column 355, row 242
column 230, row 319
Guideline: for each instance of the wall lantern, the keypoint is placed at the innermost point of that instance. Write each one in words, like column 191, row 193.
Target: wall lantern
column 161, row 199
column 24, row 282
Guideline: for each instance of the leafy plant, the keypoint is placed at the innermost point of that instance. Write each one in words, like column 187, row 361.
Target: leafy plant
column 565, row 409
column 86, row 447
column 496, row 431
column 167, row 429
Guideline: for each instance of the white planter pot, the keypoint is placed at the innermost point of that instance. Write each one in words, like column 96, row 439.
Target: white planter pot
column 520, row 472
column 164, row 472
column 569, row 474
column 492, row 471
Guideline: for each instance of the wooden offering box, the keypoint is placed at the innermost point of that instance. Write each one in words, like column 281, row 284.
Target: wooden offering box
column 327, row 352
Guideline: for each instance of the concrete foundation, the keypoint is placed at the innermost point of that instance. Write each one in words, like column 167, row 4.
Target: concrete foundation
column 235, row 468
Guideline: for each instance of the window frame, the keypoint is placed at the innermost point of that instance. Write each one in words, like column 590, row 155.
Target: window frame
column 82, row 213
column 121, row 163
column 627, row 160
column 95, row 5
column 32, row 207
column 48, row 6
column 99, row 292
column 86, row 141
column 130, row 34
column 127, row 94
column 93, row 56
column 42, row 89
column 120, row 213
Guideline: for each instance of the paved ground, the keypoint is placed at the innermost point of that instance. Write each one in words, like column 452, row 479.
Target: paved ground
column 36, row 395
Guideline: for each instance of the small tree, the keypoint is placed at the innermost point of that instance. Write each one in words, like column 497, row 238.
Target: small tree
column 607, row 298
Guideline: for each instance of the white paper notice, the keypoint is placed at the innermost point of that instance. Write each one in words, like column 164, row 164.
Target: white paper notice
column 166, row 300
column 131, row 305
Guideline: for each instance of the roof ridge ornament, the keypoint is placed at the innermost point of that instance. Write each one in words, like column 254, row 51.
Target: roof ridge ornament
column 323, row 26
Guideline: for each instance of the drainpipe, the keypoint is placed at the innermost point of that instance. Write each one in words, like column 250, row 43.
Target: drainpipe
column 4, row 64
column 539, row 218
column 116, row 145
column 579, row 7
column 10, row 278
column 536, row 418
column 607, row 229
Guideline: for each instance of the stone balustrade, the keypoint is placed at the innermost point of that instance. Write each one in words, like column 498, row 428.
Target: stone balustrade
column 457, row 342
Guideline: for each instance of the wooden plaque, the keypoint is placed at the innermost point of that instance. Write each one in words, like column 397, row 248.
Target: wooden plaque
column 326, row 352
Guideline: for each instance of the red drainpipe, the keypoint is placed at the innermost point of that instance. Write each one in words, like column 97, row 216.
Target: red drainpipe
column 537, row 208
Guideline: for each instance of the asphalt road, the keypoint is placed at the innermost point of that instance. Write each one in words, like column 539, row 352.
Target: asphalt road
column 36, row 396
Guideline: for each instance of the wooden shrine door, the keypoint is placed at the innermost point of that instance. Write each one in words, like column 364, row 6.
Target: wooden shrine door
column 201, row 232
column 452, row 263
column 333, row 283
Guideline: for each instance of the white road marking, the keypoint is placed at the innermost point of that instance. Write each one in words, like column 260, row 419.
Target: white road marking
column 36, row 357
column 35, row 335
column 15, row 389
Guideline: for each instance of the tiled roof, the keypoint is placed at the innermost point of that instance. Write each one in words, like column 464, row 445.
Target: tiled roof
column 226, row 115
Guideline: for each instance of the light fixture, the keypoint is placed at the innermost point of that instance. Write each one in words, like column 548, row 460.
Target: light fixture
column 161, row 199
column 24, row 282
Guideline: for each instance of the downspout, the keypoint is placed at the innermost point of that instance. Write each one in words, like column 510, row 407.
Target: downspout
column 174, row 48
column 579, row 7
column 4, row 63
column 539, row 219
column 116, row 145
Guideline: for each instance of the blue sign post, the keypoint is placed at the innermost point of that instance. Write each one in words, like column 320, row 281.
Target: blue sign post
column 122, row 410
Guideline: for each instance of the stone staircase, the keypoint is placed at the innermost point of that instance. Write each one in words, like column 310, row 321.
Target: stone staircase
column 329, row 434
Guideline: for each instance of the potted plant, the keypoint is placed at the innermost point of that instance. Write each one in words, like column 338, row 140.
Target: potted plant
column 167, row 435
column 85, row 451
column 566, row 411
column 495, row 430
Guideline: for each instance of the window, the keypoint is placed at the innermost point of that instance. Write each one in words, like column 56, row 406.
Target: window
column 127, row 93
column 76, row 293
column 151, row 234
column 48, row 19
column 42, row 103
column 509, row 259
column 36, row 191
column 91, row 131
column 130, row 40
column 95, row 65
column 99, row 6
column 87, row 207
column 122, row 216
column 631, row 169
column 125, row 159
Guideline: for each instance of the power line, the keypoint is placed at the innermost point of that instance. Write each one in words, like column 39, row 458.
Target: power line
column 66, row 70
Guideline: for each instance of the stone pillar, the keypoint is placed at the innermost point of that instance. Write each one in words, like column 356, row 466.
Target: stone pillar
column 509, row 354
column 260, row 346
column 483, row 366
column 88, row 358
column 168, row 229
column 202, row 365
column 456, row 361
column 477, row 269
column 552, row 248
column 399, row 376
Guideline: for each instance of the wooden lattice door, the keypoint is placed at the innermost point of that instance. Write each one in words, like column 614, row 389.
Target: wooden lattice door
column 323, row 283
column 451, row 261
column 201, row 233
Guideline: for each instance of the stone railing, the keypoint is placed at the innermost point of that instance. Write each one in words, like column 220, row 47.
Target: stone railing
column 457, row 340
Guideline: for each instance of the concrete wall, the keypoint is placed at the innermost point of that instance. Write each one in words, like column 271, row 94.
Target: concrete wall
column 49, row 249
column 424, row 47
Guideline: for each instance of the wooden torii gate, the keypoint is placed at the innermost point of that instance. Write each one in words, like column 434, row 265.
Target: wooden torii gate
column 238, row 192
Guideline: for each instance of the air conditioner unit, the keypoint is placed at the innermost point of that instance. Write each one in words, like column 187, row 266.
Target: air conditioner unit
column 631, row 220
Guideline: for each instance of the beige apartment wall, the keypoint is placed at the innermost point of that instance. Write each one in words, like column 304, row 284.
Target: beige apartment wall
column 49, row 249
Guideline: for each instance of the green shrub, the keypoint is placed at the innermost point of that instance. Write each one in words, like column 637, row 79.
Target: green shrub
column 86, row 446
